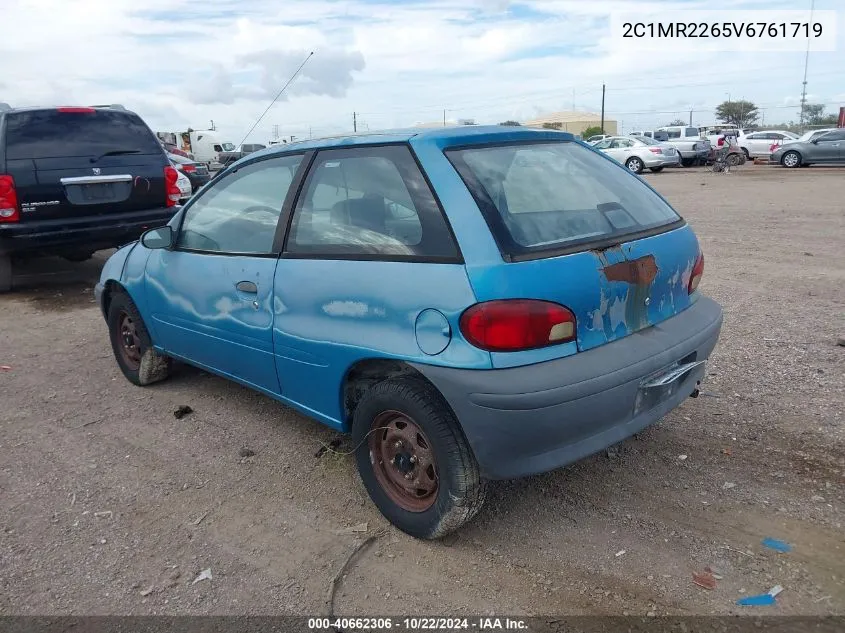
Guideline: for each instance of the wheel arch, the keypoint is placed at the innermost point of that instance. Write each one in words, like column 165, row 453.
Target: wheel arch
column 365, row 373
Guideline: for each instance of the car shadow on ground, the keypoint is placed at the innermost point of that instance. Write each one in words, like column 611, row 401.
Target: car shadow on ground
column 54, row 283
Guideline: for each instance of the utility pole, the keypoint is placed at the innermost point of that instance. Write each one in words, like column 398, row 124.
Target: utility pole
column 573, row 99
column 444, row 118
column 602, row 108
column 690, row 117
column 212, row 125
column 806, row 63
column 354, row 121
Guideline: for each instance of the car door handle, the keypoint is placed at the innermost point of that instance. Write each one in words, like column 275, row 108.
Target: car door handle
column 247, row 287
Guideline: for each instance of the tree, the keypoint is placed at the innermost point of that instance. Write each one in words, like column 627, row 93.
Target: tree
column 741, row 113
column 591, row 131
column 509, row 123
column 814, row 114
column 554, row 125
column 677, row 122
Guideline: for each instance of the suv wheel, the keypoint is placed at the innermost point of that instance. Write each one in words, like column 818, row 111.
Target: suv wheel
column 414, row 460
column 131, row 343
column 5, row 273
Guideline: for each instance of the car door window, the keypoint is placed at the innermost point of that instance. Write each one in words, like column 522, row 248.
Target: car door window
column 239, row 213
column 371, row 202
column 832, row 136
column 605, row 144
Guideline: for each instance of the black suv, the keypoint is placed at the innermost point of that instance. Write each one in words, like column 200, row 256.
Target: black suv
column 76, row 180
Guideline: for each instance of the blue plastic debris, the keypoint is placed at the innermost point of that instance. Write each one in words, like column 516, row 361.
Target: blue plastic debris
column 763, row 600
column 775, row 544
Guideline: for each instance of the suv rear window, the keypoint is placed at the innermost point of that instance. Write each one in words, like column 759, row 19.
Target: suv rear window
column 56, row 134
column 557, row 195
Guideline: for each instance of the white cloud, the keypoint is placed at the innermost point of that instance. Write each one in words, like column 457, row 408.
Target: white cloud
column 181, row 63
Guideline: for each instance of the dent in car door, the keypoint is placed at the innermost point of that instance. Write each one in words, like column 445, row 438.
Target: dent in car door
column 211, row 298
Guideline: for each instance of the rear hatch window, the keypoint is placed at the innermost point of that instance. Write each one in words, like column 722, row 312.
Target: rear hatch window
column 546, row 199
column 53, row 133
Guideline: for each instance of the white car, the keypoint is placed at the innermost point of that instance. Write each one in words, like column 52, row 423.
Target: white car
column 760, row 143
column 184, row 187
column 639, row 152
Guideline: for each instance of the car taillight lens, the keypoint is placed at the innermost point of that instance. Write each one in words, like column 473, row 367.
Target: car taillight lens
column 697, row 272
column 171, row 176
column 655, row 150
column 189, row 168
column 9, row 211
column 511, row 325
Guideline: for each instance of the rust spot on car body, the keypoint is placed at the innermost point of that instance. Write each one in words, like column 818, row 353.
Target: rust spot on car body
column 639, row 272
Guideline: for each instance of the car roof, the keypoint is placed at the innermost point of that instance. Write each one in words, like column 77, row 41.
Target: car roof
column 443, row 137
column 54, row 108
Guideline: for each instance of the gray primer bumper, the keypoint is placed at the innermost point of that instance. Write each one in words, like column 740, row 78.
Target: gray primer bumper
column 536, row 418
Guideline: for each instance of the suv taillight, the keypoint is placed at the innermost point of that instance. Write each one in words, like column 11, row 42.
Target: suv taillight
column 171, row 176
column 697, row 272
column 511, row 325
column 9, row 211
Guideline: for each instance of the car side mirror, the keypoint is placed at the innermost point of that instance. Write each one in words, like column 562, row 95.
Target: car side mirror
column 161, row 237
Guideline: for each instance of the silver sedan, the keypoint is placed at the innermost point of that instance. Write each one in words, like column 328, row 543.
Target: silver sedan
column 639, row 152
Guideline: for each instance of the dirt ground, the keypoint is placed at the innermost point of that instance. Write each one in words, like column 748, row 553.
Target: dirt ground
column 110, row 505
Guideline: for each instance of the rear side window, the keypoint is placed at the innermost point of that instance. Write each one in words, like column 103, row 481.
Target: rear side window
column 548, row 196
column 372, row 202
column 55, row 134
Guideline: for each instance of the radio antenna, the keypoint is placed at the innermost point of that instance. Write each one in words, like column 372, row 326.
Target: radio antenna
column 292, row 77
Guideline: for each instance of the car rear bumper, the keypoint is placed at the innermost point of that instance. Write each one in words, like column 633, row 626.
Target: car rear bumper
column 656, row 160
column 536, row 418
column 198, row 180
column 89, row 232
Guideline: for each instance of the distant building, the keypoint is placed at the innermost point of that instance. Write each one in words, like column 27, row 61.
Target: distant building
column 573, row 122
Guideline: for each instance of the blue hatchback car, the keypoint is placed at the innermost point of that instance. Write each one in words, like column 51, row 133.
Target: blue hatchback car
column 471, row 303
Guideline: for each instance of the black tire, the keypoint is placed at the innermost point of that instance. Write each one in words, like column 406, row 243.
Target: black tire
column 150, row 366
column 655, row 170
column 684, row 162
column 794, row 155
column 460, row 491
column 5, row 273
column 734, row 160
column 635, row 165
column 747, row 155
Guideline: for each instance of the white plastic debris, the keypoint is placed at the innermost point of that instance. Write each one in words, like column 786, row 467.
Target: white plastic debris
column 682, row 457
column 775, row 590
column 205, row 574
column 620, row 553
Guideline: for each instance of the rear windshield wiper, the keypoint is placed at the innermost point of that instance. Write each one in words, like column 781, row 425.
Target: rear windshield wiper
column 116, row 152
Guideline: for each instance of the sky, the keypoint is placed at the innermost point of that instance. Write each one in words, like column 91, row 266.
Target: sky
column 181, row 63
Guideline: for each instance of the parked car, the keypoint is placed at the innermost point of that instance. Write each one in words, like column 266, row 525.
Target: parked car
column 229, row 157
column 595, row 138
column 185, row 189
column 170, row 148
column 692, row 147
column 810, row 135
column 826, row 148
column 639, row 152
column 407, row 288
column 760, row 143
column 197, row 173
column 74, row 180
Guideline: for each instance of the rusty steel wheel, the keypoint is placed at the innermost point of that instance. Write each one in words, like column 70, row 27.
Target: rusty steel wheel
column 403, row 461
column 130, row 341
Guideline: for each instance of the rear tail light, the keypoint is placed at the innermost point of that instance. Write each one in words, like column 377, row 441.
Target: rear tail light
column 76, row 110
column 511, row 325
column 171, row 176
column 189, row 168
column 655, row 150
column 9, row 211
column 697, row 272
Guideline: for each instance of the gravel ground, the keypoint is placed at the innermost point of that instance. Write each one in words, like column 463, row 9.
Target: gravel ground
column 110, row 505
